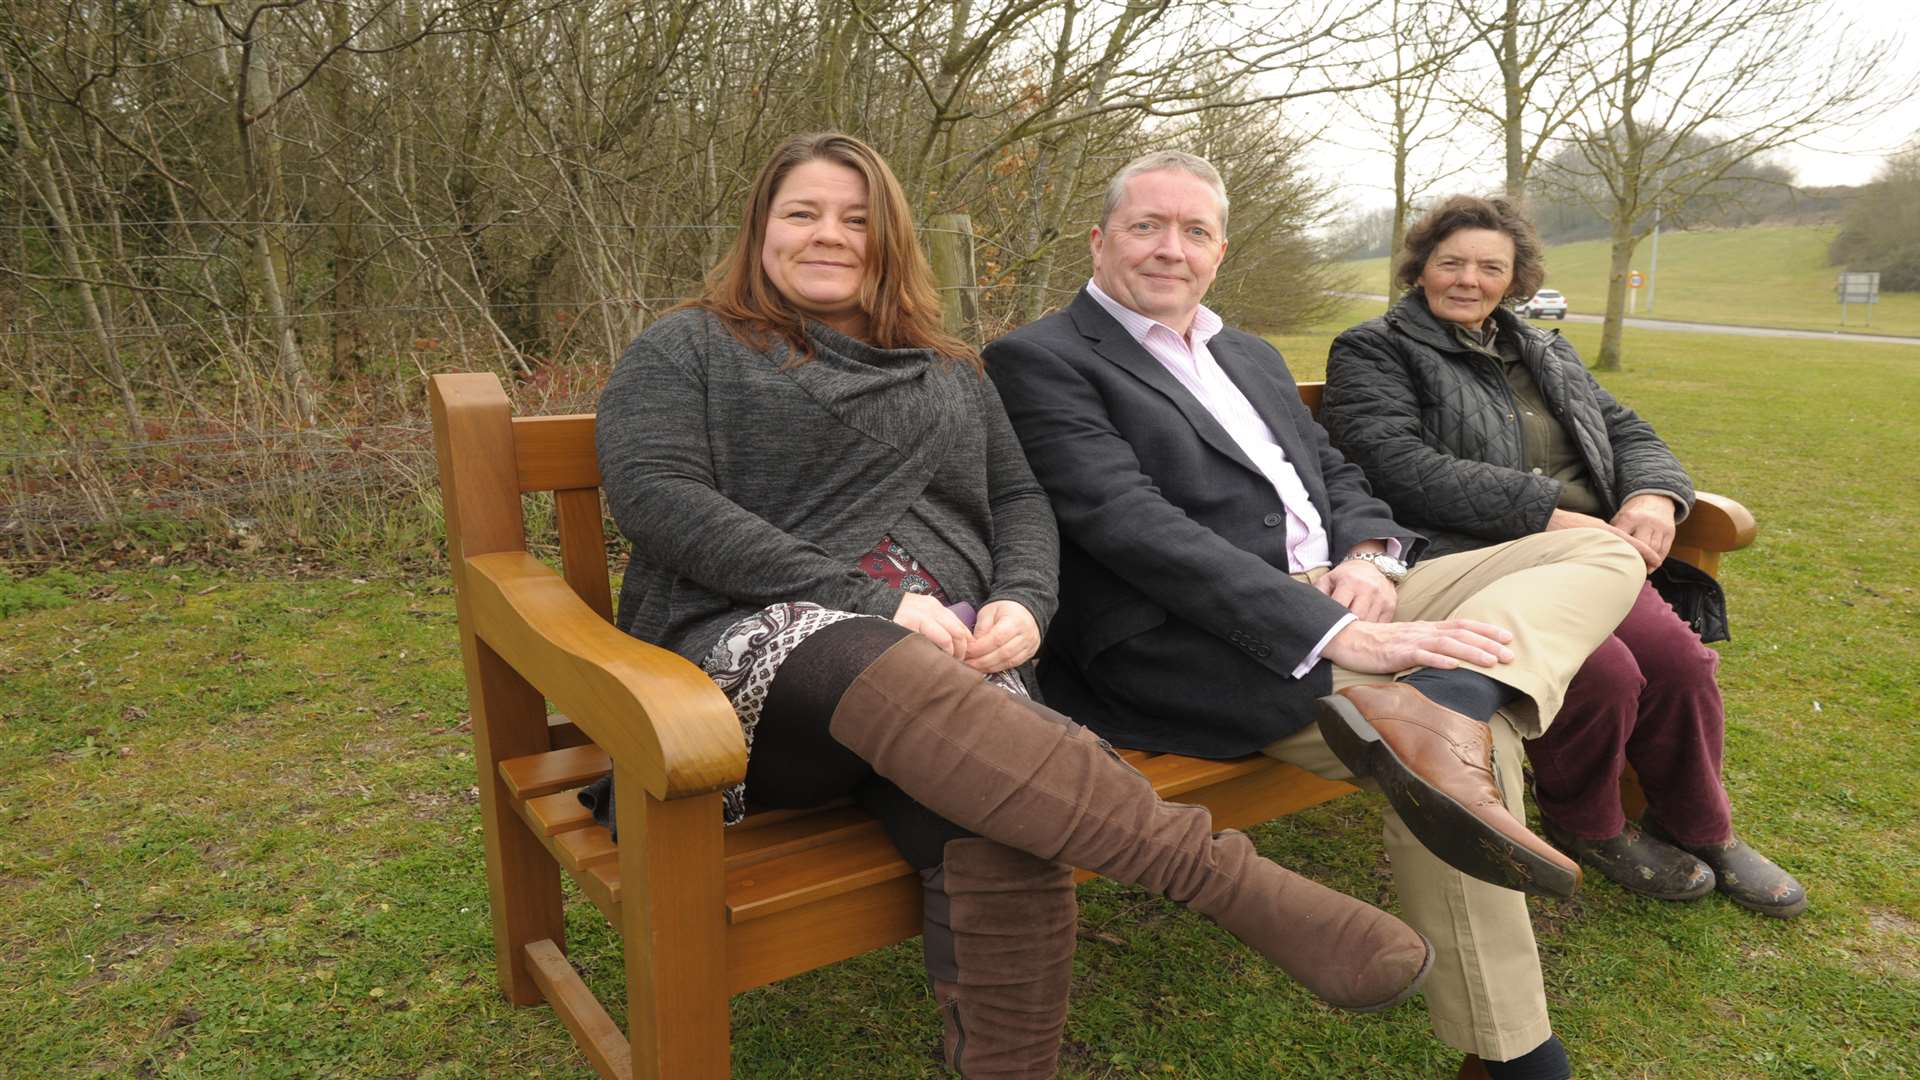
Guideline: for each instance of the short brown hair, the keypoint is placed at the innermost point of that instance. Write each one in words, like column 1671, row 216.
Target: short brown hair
column 1456, row 212
column 897, row 293
column 1162, row 161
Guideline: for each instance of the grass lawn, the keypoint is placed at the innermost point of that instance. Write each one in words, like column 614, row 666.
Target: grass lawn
column 238, row 833
column 1762, row 276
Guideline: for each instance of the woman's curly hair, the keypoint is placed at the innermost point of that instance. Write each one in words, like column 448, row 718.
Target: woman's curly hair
column 1499, row 213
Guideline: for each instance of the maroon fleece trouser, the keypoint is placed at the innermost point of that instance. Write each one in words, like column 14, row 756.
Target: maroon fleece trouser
column 1647, row 696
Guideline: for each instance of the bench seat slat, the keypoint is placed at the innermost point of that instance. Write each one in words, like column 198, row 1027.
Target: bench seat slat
column 551, row 815
column 555, row 770
column 746, row 847
column 581, row 848
column 856, row 861
column 1174, row 776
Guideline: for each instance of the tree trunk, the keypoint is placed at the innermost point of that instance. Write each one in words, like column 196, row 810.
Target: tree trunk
column 1620, row 263
column 1401, row 201
column 1513, row 126
column 1043, row 231
column 78, row 261
column 260, row 165
column 1040, row 278
column 336, row 87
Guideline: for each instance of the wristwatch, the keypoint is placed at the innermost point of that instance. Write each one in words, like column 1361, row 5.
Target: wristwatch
column 1391, row 568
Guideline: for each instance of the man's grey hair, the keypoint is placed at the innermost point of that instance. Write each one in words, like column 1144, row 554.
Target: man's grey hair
column 1159, row 160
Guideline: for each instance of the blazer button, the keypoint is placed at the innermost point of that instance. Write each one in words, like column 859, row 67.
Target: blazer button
column 1273, row 520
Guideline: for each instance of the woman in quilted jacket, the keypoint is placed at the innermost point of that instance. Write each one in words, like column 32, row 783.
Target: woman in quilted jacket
column 1478, row 428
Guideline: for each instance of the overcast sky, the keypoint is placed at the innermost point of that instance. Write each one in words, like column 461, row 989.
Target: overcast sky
column 1852, row 155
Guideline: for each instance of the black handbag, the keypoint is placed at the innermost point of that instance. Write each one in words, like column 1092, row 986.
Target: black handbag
column 1695, row 596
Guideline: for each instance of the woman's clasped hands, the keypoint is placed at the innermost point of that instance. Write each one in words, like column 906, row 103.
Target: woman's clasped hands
column 1004, row 635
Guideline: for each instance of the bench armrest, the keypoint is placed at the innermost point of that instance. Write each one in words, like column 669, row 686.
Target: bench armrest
column 1717, row 524
column 648, row 708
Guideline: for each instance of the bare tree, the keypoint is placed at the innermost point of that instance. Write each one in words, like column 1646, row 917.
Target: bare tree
column 1408, row 113
column 1688, row 91
column 54, row 183
column 1531, row 43
column 261, row 215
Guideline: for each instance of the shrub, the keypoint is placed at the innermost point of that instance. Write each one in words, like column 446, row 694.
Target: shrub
column 1882, row 229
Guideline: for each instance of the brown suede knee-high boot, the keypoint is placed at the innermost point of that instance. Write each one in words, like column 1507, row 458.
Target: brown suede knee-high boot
column 1009, row 770
column 999, row 941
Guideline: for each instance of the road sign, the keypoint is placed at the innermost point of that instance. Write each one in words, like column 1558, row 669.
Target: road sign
column 1635, row 279
column 1858, row 288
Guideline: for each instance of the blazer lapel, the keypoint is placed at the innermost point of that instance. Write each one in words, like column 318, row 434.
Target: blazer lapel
column 1112, row 342
column 1263, row 391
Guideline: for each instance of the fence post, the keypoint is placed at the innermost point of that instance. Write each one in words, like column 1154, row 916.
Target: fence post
column 950, row 236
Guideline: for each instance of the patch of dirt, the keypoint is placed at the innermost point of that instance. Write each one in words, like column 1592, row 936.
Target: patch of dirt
column 430, row 805
column 1893, row 923
column 1892, row 945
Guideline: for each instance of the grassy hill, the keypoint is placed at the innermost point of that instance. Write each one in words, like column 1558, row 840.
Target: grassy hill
column 1761, row 276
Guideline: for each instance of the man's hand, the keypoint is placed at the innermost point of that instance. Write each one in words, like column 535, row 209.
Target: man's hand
column 1567, row 519
column 1361, row 588
column 1004, row 636
column 1648, row 518
column 925, row 615
column 1383, row 648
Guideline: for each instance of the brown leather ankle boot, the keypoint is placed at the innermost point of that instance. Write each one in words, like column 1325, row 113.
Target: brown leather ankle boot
column 1028, row 777
column 1000, row 936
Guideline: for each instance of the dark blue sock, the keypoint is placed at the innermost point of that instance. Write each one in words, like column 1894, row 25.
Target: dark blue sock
column 1548, row 1061
column 1463, row 690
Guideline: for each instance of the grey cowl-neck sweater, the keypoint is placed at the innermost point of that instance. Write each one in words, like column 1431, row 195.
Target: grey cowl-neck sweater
column 742, row 483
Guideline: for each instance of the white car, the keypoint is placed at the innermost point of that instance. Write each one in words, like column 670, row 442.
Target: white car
column 1544, row 303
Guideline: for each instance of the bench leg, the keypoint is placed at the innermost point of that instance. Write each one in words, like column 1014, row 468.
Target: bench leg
column 523, row 881
column 673, row 915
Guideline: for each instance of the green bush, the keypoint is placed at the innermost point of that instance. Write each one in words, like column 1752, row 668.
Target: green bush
column 1882, row 228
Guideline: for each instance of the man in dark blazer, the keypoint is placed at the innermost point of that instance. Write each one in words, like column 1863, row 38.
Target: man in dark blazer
column 1230, row 585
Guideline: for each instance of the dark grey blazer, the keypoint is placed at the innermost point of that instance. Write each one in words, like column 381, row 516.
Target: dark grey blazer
column 1178, row 627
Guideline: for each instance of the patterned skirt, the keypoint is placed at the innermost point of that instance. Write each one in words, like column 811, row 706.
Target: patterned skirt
column 749, row 653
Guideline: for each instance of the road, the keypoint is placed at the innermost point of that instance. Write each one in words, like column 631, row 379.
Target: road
column 1710, row 328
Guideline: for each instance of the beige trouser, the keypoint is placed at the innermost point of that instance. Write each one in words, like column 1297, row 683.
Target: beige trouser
column 1561, row 593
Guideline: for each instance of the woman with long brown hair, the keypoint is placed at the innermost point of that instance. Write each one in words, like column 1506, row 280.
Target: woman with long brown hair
column 830, row 513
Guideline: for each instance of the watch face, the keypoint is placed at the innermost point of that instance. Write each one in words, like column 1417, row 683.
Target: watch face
column 1390, row 566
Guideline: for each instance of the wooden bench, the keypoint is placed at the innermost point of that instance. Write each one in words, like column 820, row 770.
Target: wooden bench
column 706, row 912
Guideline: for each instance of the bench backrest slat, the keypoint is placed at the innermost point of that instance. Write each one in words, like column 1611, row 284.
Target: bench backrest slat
column 554, row 453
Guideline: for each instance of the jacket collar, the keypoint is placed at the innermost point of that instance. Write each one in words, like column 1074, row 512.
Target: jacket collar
column 1411, row 316
column 1111, row 341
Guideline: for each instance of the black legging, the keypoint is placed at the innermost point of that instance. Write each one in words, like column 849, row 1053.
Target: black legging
column 796, row 762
